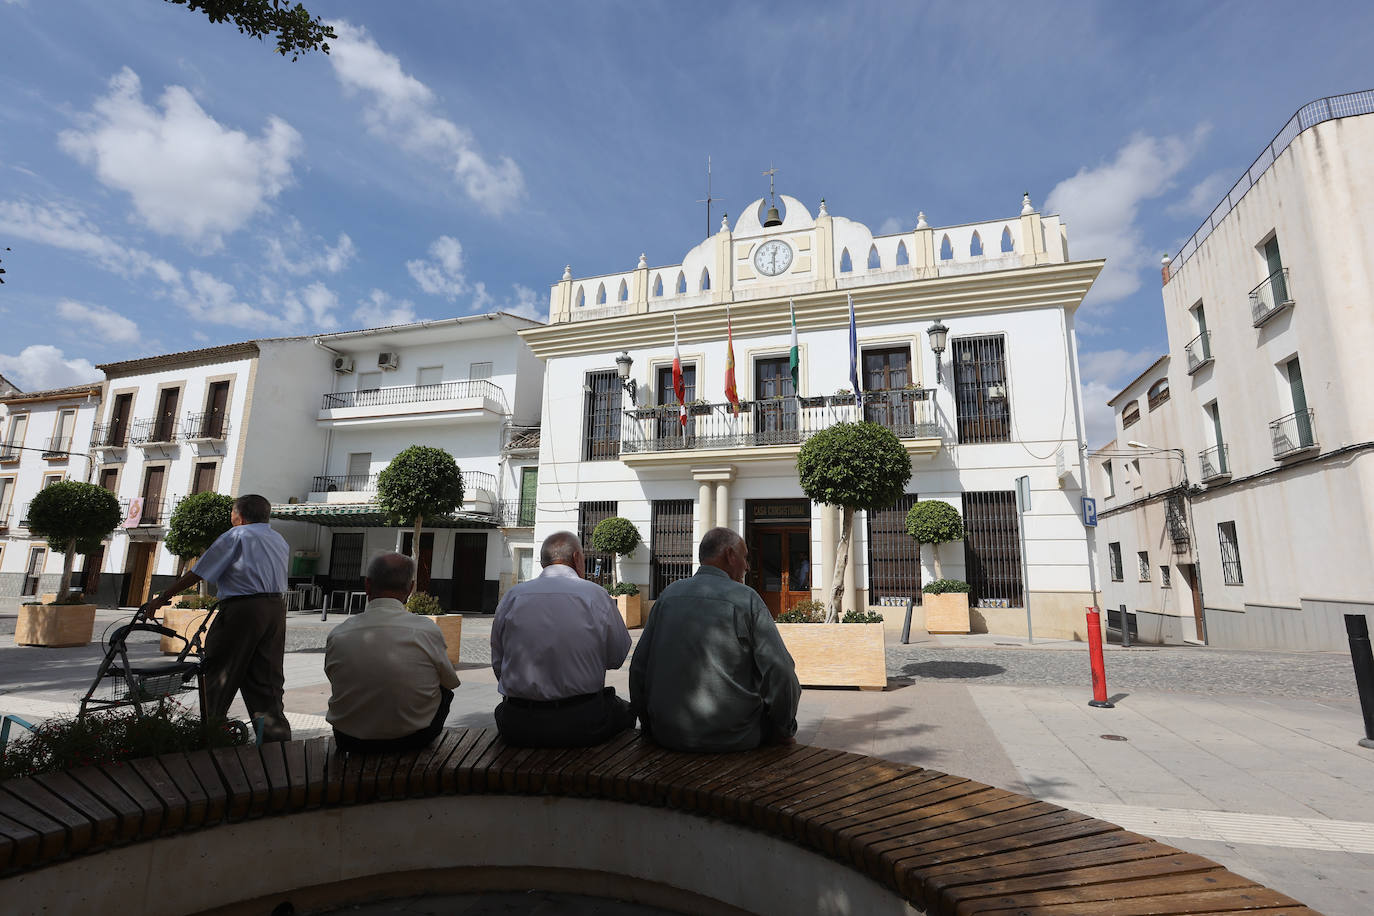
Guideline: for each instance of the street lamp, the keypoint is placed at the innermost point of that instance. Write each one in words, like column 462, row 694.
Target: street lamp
column 623, row 362
column 939, row 335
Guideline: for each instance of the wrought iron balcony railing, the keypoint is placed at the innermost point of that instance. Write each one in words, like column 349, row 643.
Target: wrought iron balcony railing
column 346, row 483
column 57, row 447
column 414, row 394
column 1293, row 434
column 9, row 452
column 154, row 431
column 206, row 426
column 4, row 516
column 1199, row 351
column 515, row 513
column 1270, row 297
column 478, row 483
column 1216, row 463
column 1176, row 522
column 157, row 510
column 110, row 435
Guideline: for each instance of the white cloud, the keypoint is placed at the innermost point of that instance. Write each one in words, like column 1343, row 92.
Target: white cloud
column 401, row 109
column 1203, row 198
column 444, row 275
column 522, row 301
column 68, row 229
column 213, row 301
column 293, row 253
column 1104, row 374
column 316, row 301
column 891, row 226
column 186, row 174
column 1099, row 420
column 107, row 324
column 1101, row 206
column 379, row 310
column 42, row 366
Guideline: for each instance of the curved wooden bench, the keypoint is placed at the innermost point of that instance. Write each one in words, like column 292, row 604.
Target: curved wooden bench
column 939, row 842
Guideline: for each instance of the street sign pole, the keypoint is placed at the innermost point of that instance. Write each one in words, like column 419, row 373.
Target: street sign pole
column 1023, row 505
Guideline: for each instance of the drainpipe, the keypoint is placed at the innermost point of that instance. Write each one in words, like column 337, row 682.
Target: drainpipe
column 1071, row 356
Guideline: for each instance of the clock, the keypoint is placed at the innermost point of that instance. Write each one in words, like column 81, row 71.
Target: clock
column 773, row 257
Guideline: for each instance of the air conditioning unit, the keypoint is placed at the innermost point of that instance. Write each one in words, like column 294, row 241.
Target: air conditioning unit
column 388, row 360
column 343, row 364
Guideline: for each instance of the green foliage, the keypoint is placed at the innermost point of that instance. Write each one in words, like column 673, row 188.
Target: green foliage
column 295, row 30
column 198, row 603
column 196, row 522
column 615, row 535
column 944, row 586
column 420, row 482
column 424, row 603
column 73, row 514
column 63, row 743
column 861, row 617
column 805, row 611
column 934, row 521
column 622, row 588
column 855, row 466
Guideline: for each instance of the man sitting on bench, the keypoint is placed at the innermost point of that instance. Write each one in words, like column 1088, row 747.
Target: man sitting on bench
column 391, row 683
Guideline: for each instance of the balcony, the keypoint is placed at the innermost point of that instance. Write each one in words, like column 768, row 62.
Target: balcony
column 344, row 483
column 23, row 514
column 4, row 516
column 57, row 448
column 110, row 436
column 206, row 427
column 1216, row 464
column 476, row 399
column 1199, row 351
column 1293, row 434
column 515, row 513
column 479, row 490
column 1270, row 297
column 1176, row 522
column 161, row 431
column 653, row 434
column 9, row 453
column 156, row 511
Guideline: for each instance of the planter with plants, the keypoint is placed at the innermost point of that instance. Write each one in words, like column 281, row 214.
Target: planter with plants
column 818, row 401
column 73, row 517
column 698, row 408
column 936, row 522
column 451, row 625
column 185, row 615
column 619, row 536
column 629, row 603
column 845, row 654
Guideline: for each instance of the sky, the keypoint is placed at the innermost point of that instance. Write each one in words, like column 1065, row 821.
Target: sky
column 167, row 183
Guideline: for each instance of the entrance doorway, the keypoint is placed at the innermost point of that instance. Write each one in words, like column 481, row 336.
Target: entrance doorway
column 469, row 571
column 1195, row 588
column 425, row 561
column 778, row 534
column 34, row 571
column 140, row 569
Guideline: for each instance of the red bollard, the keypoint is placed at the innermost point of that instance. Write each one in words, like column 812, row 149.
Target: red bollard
column 1099, row 667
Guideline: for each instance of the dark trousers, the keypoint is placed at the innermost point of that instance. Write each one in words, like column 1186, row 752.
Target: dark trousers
column 411, row 742
column 579, row 722
column 243, row 653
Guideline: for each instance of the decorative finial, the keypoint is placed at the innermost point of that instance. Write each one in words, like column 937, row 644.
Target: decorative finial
column 921, row 220
column 643, row 261
column 1164, row 259
column 567, row 272
column 725, row 222
column 824, row 212
column 1026, row 208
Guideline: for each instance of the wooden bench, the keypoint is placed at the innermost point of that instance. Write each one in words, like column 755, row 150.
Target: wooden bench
column 931, row 841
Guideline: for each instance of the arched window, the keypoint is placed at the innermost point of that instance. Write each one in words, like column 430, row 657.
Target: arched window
column 681, row 282
column 705, row 279
column 902, row 258
column 658, row 285
column 624, row 294
column 846, row 265
column 581, row 297
column 874, row 262
column 1159, row 393
column 1006, row 240
column 946, row 250
column 601, row 294
column 975, row 245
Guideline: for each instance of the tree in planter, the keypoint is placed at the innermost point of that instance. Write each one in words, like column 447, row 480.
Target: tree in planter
column 420, row 483
column 616, row 535
column 73, row 517
column 853, row 466
column 934, row 522
column 197, row 521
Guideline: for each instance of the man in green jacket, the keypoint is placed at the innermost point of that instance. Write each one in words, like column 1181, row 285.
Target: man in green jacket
column 710, row 672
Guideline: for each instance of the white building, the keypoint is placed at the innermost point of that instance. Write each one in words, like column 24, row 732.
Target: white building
column 1003, row 404
column 44, row 438
column 467, row 385
column 1270, row 332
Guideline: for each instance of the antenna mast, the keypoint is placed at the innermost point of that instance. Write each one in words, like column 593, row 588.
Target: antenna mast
column 709, row 199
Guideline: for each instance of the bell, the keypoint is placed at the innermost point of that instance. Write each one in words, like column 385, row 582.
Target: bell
column 774, row 218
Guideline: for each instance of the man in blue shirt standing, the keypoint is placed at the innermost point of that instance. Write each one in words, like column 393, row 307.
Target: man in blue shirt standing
column 246, row 646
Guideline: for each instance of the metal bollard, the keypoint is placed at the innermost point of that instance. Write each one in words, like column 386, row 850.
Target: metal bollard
column 1099, row 666
column 1357, row 629
column 906, row 625
column 1125, row 629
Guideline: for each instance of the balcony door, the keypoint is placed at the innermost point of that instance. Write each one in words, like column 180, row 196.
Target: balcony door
column 216, row 408
column 1299, row 396
column 775, row 402
column 34, row 571
column 359, row 472
column 669, row 425
column 166, row 420
column 887, row 370
column 152, row 495
column 469, row 571
column 119, row 421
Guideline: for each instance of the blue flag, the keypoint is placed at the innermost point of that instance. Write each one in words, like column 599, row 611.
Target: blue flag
column 854, row 358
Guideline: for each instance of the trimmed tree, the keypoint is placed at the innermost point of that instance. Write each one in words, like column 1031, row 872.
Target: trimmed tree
column 73, row 517
column 420, row 483
column 197, row 521
column 616, row 535
column 934, row 522
column 853, row 466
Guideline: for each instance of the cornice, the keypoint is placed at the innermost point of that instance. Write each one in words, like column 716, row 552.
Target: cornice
column 184, row 358
column 60, row 394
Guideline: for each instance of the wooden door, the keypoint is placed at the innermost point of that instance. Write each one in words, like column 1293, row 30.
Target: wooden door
column 781, row 567
column 140, row 572
column 1189, row 572
column 90, row 572
column 216, row 408
column 887, row 370
column 152, row 495
column 37, row 557
column 203, row 480
column 469, row 571
column 425, row 561
column 119, row 423
column 167, row 415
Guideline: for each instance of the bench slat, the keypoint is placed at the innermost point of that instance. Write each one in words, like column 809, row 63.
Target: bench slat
column 238, row 794
column 779, row 814
column 51, row 836
column 104, row 821
column 278, row 783
column 1174, row 896
column 78, row 827
column 473, row 759
column 179, row 771
column 750, row 770
column 571, row 778
column 149, row 804
column 298, row 781
column 202, row 765
column 964, row 813
column 316, row 753
column 164, row 790
column 881, row 857
column 446, row 757
column 534, row 770
column 130, row 815
column 821, row 822
column 1042, row 858
column 19, row 845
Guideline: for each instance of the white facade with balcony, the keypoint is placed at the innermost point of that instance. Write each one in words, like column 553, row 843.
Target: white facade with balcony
column 1270, row 333
column 1003, row 404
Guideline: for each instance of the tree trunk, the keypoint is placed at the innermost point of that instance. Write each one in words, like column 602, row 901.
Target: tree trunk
column 832, row 612
column 66, row 583
column 935, row 556
column 415, row 542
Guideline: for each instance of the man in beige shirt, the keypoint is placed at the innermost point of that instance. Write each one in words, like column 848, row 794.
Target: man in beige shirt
column 391, row 683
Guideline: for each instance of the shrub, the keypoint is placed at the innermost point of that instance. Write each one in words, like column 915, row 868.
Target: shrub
column 944, row 586
column 73, row 517
column 861, row 617
column 424, row 603
column 934, row 522
column 420, row 483
column 623, row 588
column 808, row 610
column 615, row 535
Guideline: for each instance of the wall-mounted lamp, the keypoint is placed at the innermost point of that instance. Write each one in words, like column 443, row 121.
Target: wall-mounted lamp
column 939, row 335
column 623, row 362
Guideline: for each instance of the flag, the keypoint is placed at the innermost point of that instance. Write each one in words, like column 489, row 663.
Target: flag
column 794, row 356
column 679, row 386
column 854, row 357
column 731, row 392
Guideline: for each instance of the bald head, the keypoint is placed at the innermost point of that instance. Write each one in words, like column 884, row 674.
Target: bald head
column 562, row 548
column 725, row 550
column 390, row 575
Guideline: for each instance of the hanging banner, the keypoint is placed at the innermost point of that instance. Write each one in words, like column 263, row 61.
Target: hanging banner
column 135, row 513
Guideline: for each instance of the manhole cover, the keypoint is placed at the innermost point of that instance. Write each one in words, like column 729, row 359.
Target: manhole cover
column 1113, row 737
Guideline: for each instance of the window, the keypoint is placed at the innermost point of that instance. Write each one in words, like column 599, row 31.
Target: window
column 1159, row 393
column 1165, row 580
column 1114, row 557
column 1273, row 264
column 529, row 492
column 14, row 439
column 369, row 381
column 216, row 411
column 975, row 245
column 980, row 390
column 601, row 416
column 946, row 249
column 903, row 259
column 846, row 264
column 118, row 433
column 346, row 559
column 874, row 261
column 888, row 369
column 6, row 494
column 992, row 549
column 50, row 479
column 61, row 440
column 1007, row 246
column 1230, row 554
column 894, row 557
column 601, row 294
column 670, row 543
column 600, row 566
column 479, row 371
column 1107, row 475
column 165, row 422
column 705, row 279
column 429, row 375
column 153, row 480
column 775, row 407
column 524, row 564
column 1137, row 478
column 681, row 282
column 658, row 285
column 109, row 480
column 1144, row 558
column 1130, row 415
column 1302, row 416
column 624, row 294
column 581, row 298
column 37, row 558
column 669, row 423
column 203, row 478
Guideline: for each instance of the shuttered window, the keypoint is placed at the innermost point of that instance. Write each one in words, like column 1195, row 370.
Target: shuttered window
column 992, row 549
column 1230, row 554
column 981, row 395
column 602, row 416
column 600, row 566
column 894, row 557
column 670, row 543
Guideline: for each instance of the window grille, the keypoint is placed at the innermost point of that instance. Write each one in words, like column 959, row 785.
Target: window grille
column 602, row 416
column 1114, row 554
column 980, row 390
column 1230, row 554
column 346, row 558
column 670, row 543
column 1165, row 579
column 1144, row 558
column 600, row 566
column 992, row 549
column 894, row 557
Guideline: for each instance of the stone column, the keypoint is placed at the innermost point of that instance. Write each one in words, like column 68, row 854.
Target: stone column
column 704, row 514
column 722, row 504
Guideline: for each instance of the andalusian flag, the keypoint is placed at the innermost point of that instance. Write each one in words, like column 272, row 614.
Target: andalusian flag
column 854, row 358
column 679, row 386
column 794, row 356
column 731, row 392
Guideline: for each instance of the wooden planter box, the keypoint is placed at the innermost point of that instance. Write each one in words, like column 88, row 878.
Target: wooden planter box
column 451, row 625
column 837, row 654
column 185, row 621
column 630, row 607
column 54, row 625
column 947, row 613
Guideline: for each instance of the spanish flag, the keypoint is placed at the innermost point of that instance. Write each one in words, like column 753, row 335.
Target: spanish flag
column 731, row 392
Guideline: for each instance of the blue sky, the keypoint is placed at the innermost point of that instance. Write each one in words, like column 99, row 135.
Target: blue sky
column 166, row 183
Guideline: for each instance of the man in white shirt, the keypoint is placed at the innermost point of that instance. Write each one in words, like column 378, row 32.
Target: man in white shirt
column 553, row 639
column 391, row 683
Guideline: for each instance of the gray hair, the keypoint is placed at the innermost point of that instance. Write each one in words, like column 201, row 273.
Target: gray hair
column 391, row 572
column 559, row 548
column 253, row 509
column 716, row 542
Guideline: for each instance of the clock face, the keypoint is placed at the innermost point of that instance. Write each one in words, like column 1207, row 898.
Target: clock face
column 773, row 257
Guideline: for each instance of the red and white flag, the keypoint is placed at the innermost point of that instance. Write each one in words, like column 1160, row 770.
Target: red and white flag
column 679, row 386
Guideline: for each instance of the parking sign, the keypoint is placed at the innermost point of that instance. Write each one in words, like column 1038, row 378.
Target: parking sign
column 1089, row 512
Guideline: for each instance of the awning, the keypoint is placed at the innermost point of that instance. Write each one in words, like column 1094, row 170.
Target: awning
column 368, row 515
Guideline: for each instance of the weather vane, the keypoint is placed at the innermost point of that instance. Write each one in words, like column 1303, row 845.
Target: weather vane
column 772, row 198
